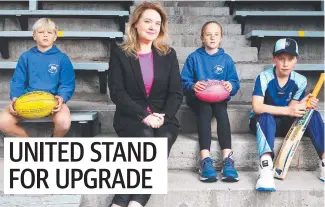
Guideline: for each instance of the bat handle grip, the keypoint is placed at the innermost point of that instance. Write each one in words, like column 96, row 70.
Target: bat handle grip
column 316, row 89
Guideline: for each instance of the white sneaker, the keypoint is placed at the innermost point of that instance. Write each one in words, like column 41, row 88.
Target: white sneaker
column 265, row 182
column 322, row 170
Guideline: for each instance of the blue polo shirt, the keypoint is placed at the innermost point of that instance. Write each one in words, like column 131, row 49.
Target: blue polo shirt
column 267, row 85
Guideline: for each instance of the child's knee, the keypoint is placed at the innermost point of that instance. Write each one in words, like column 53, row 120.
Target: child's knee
column 317, row 116
column 7, row 120
column 64, row 125
column 63, row 122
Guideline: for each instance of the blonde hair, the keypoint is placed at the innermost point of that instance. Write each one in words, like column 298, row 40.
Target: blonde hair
column 206, row 24
column 45, row 23
column 131, row 45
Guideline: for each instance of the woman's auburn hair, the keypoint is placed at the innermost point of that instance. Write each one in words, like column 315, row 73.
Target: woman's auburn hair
column 131, row 45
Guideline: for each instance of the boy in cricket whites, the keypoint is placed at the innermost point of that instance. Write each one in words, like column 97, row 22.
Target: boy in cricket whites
column 278, row 98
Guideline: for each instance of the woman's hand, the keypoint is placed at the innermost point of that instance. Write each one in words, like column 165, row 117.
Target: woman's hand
column 154, row 120
column 161, row 118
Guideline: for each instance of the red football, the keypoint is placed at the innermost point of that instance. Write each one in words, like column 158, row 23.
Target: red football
column 214, row 92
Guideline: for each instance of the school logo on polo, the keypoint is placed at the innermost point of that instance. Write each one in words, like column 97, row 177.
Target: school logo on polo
column 218, row 69
column 53, row 68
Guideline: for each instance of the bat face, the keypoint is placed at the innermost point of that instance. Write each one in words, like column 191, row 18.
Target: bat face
column 299, row 125
column 294, row 136
column 291, row 142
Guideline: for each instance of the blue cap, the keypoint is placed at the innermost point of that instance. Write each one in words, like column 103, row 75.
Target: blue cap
column 286, row 45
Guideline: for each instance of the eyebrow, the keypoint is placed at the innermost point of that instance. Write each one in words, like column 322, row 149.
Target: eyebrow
column 151, row 20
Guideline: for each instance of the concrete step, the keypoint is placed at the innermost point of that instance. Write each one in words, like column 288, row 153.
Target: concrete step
column 301, row 188
column 41, row 200
column 185, row 190
column 77, row 49
column 82, row 24
column 278, row 5
column 34, row 200
column 191, row 3
column 284, row 23
column 194, row 11
column 14, row 5
column 96, row 50
column 195, row 29
column 98, row 5
column 189, row 19
column 87, row 86
column 46, row 129
column 311, row 50
column 185, row 153
column 238, row 117
column 238, row 54
column 184, row 40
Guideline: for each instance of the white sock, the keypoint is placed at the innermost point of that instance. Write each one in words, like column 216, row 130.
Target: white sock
column 266, row 161
column 323, row 162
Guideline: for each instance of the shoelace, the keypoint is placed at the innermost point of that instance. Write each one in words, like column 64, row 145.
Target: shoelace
column 208, row 162
column 228, row 161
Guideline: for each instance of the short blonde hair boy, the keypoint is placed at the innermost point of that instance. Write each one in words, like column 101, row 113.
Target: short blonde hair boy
column 45, row 23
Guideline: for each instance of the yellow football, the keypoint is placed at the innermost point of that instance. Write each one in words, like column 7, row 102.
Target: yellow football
column 35, row 105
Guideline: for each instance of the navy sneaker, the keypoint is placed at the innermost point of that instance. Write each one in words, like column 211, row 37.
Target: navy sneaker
column 207, row 172
column 229, row 173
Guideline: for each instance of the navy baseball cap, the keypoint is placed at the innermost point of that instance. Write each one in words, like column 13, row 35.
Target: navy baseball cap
column 286, row 45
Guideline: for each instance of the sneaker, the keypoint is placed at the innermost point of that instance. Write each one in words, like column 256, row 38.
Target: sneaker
column 322, row 170
column 265, row 182
column 229, row 173
column 207, row 172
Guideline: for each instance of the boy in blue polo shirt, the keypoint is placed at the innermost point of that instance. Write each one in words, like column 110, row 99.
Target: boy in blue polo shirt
column 42, row 68
column 278, row 98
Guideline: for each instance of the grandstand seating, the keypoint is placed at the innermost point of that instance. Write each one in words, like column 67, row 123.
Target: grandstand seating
column 257, row 35
column 235, row 3
column 185, row 19
column 101, row 67
column 23, row 15
column 50, row 200
column 6, row 35
column 84, row 119
column 303, row 67
column 242, row 16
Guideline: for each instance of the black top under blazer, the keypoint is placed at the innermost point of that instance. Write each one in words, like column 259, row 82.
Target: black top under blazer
column 128, row 93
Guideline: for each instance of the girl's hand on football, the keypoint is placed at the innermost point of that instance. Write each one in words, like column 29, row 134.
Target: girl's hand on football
column 227, row 86
column 199, row 86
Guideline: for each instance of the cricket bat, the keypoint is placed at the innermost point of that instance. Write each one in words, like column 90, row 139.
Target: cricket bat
column 293, row 137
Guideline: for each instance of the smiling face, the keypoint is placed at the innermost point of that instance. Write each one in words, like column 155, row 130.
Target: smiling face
column 148, row 26
column 212, row 36
column 284, row 64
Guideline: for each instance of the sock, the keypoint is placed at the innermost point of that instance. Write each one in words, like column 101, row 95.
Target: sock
column 266, row 161
column 323, row 162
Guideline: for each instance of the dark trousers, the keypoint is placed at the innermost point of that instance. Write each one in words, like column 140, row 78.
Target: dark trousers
column 204, row 112
column 168, row 130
